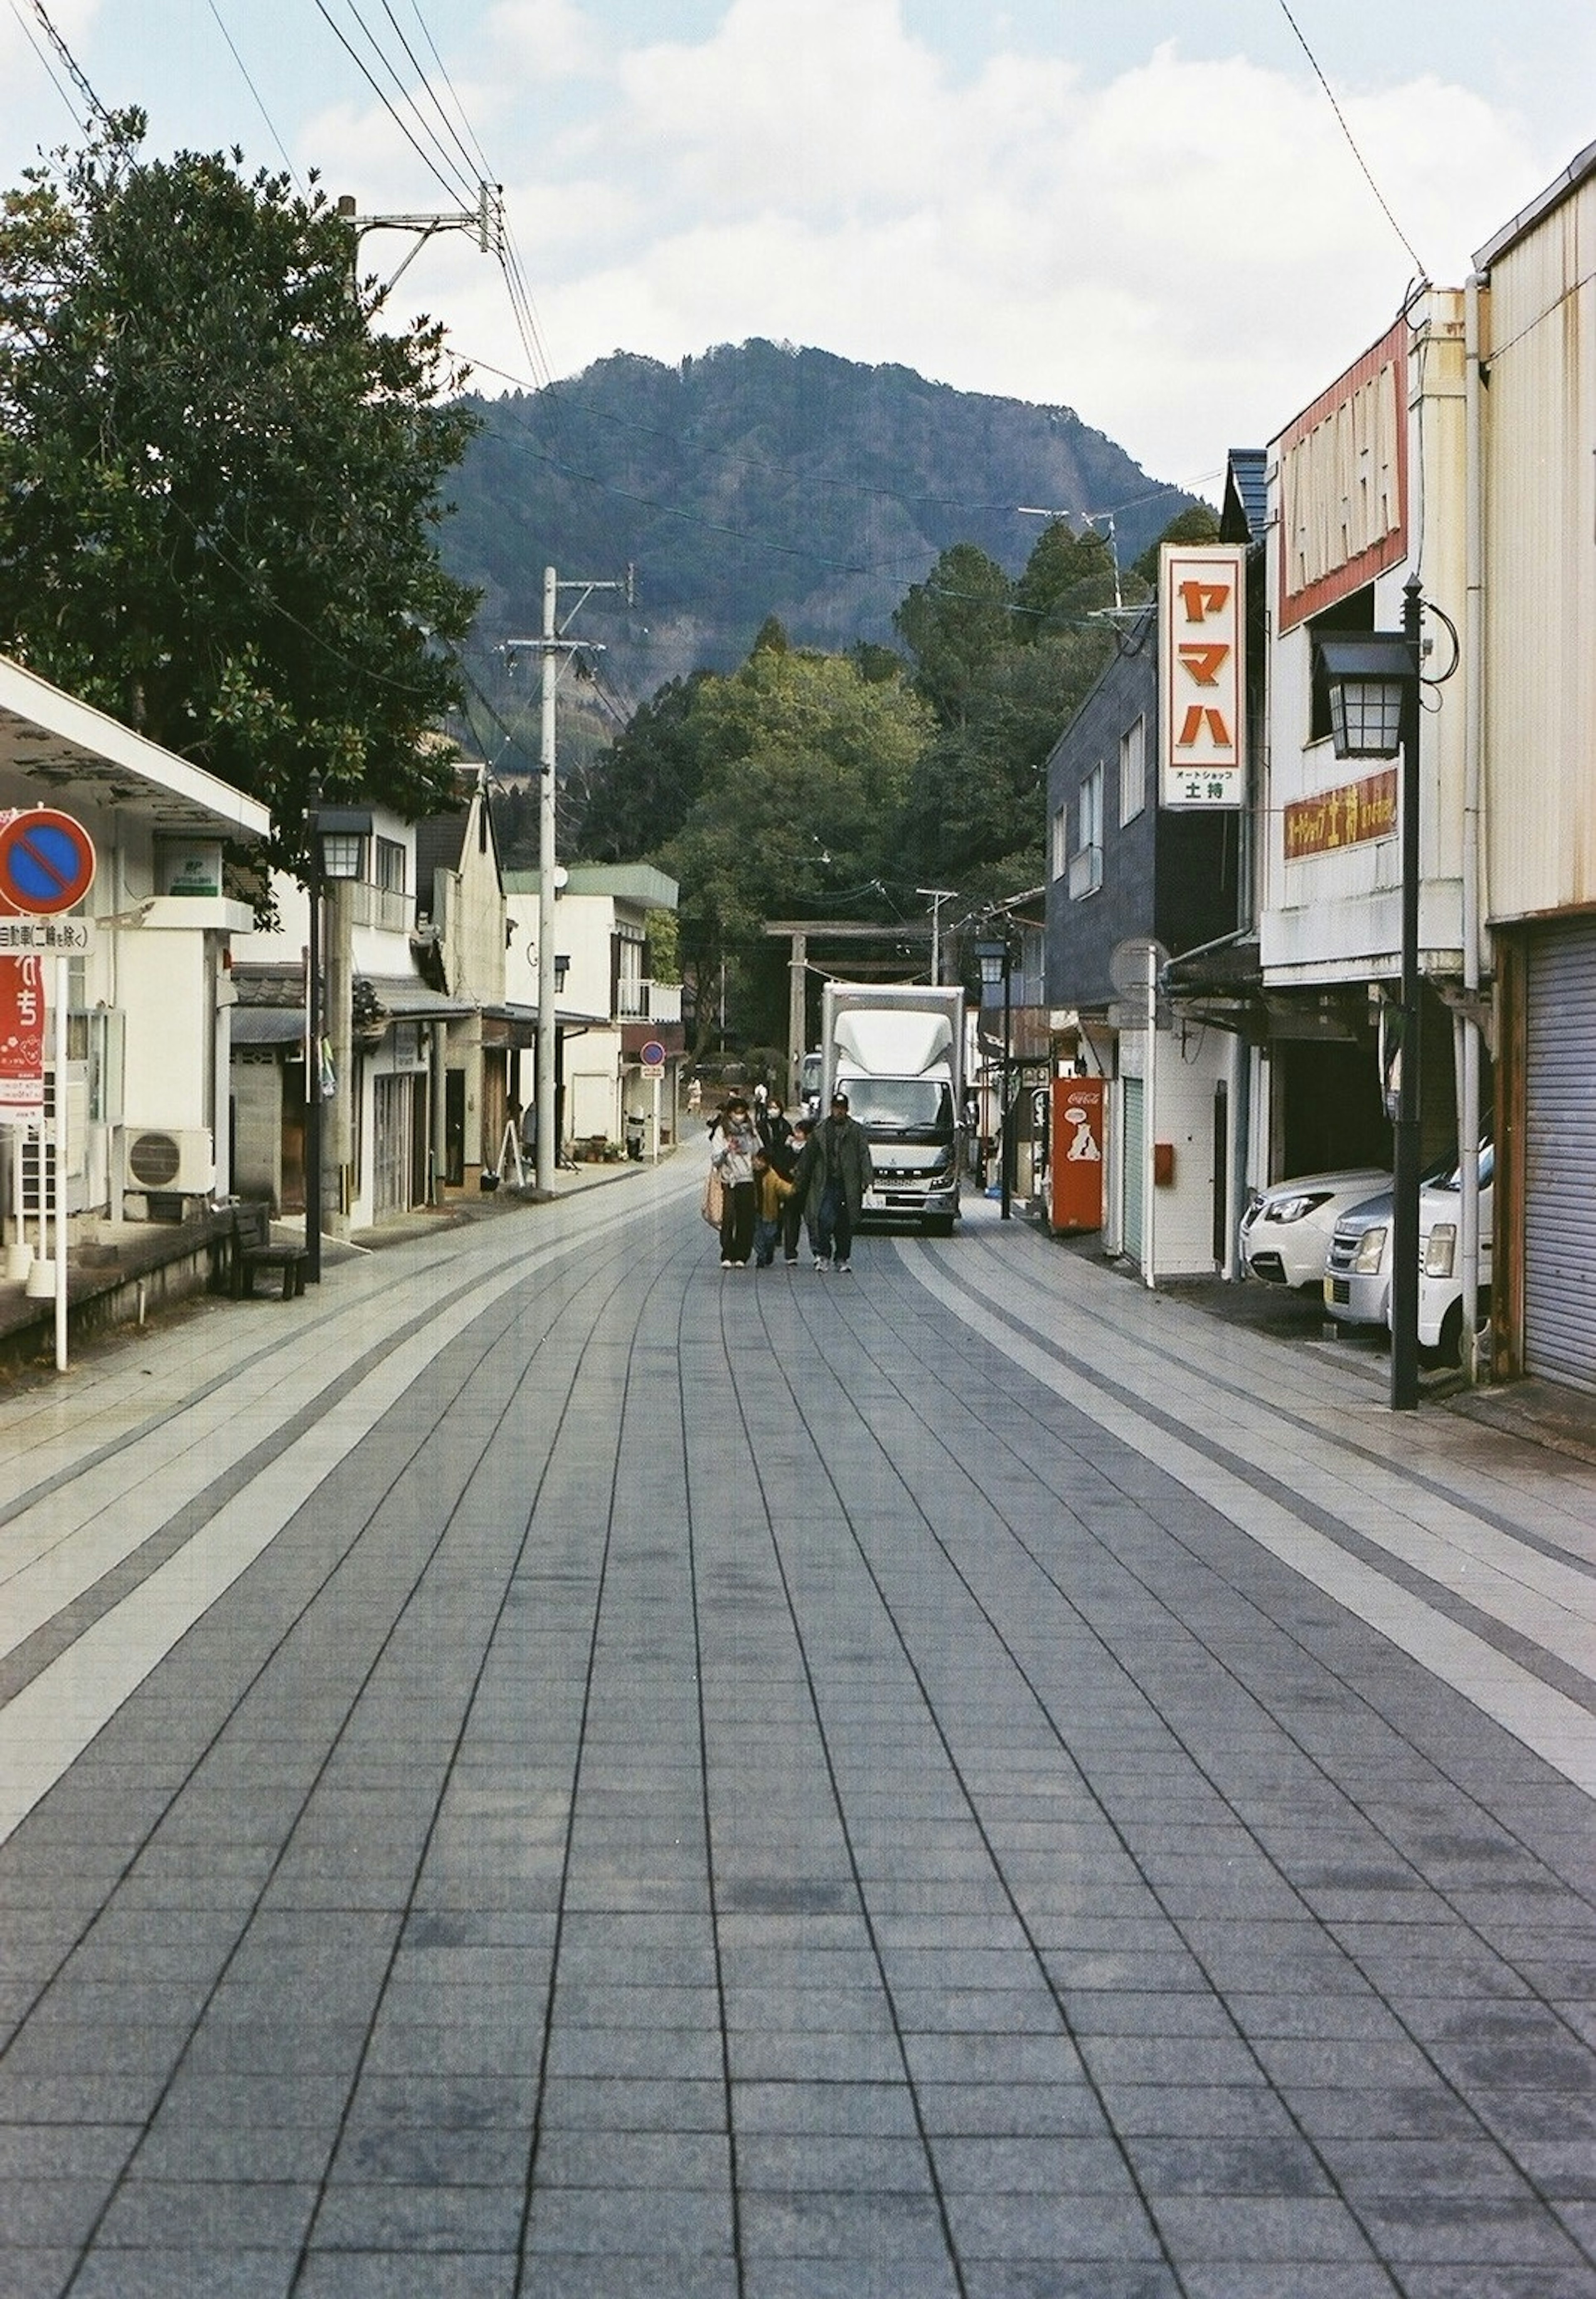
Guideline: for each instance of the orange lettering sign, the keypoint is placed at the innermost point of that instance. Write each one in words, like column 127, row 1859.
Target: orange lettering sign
column 1204, row 663
column 1202, row 600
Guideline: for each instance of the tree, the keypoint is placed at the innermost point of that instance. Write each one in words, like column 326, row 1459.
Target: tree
column 954, row 625
column 1196, row 523
column 1068, row 577
column 805, row 769
column 643, row 786
column 219, row 482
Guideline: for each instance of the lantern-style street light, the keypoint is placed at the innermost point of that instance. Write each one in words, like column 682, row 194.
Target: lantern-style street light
column 336, row 837
column 1372, row 681
column 996, row 962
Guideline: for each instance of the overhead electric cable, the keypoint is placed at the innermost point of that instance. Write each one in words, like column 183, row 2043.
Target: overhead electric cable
column 1419, row 263
column 78, row 78
column 465, row 196
column 259, row 104
column 482, row 160
column 450, row 129
column 32, row 37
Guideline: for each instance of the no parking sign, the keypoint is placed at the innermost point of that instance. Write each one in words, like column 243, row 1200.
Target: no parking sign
column 46, row 862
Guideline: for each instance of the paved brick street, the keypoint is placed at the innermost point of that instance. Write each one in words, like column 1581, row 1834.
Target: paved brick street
column 554, row 1769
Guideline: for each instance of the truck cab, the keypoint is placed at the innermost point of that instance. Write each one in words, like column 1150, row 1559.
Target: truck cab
column 897, row 1053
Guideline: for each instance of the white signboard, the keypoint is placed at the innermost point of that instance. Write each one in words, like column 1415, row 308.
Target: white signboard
column 67, row 937
column 1202, row 688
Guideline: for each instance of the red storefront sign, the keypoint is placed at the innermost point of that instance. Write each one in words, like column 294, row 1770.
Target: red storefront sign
column 1077, row 1137
column 22, row 1040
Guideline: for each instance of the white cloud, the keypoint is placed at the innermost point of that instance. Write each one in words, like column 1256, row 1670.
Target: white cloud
column 1186, row 253
column 548, row 39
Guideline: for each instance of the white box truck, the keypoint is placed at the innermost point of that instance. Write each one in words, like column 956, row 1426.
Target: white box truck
column 897, row 1052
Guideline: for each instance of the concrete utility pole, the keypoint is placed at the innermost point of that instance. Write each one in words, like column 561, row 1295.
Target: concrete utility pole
column 936, row 896
column 550, row 645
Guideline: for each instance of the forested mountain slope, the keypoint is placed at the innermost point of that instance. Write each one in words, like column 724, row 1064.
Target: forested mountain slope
column 760, row 479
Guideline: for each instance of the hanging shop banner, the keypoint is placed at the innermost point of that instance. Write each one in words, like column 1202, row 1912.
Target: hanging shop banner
column 22, row 1041
column 1201, row 692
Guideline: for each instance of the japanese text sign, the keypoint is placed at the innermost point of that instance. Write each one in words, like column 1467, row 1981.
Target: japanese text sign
column 1202, row 693
column 22, row 1040
column 1351, row 814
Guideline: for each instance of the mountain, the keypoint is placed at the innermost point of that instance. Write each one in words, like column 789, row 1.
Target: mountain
column 761, row 479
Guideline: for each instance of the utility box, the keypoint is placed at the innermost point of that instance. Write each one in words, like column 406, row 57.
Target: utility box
column 1077, row 1159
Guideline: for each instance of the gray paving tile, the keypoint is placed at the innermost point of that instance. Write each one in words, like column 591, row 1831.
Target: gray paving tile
column 906, row 2228
column 154, row 2274
column 1251, row 2229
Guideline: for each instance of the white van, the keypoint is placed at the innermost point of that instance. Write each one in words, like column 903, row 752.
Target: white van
column 1358, row 1268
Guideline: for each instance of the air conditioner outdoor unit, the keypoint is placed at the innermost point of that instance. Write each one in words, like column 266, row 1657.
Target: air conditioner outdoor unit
column 163, row 1159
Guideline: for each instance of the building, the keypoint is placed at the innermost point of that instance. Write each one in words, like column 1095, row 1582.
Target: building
column 1365, row 491
column 151, row 1000
column 387, row 1052
column 1133, row 885
column 610, row 1003
column 1530, row 405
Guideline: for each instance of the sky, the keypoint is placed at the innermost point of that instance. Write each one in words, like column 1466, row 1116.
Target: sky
column 1141, row 210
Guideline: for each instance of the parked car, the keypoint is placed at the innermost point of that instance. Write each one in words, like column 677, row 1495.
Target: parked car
column 1357, row 1267
column 1285, row 1232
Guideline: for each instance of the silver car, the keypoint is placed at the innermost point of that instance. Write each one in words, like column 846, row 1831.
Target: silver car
column 1285, row 1232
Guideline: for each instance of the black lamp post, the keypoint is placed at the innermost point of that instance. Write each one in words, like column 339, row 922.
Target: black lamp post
column 1372, row 679
column 997, row 965
column 336, row 841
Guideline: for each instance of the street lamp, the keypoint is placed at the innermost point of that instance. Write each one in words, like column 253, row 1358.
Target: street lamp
column 996, row 959
column 335, row 838
column 1372, row 681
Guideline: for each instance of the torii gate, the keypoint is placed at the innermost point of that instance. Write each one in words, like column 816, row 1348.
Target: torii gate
column 800, row 932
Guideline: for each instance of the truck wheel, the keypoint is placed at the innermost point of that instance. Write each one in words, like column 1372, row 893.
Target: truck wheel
column 937, row 1224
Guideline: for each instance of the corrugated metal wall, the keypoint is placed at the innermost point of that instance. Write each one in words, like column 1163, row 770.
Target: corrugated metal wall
column 1559, row 1156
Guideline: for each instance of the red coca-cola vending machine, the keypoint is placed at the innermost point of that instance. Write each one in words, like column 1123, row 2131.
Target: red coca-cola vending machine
column 1077, row 1133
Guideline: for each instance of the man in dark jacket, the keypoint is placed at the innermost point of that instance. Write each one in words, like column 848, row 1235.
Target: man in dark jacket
column 843, row 1173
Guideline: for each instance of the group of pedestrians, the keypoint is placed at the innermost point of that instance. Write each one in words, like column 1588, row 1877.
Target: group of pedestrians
column 777, row 1177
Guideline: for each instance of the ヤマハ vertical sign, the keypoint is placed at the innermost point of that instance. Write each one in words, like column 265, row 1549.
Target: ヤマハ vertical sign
column 1201, row 689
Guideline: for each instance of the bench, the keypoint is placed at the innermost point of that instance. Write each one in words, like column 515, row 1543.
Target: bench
column 253, row 1250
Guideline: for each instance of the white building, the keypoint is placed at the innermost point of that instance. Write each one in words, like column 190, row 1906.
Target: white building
column 145, row 1100
column 609, row 1006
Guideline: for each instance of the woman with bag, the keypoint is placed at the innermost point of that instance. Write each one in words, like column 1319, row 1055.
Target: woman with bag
column 732, row 1159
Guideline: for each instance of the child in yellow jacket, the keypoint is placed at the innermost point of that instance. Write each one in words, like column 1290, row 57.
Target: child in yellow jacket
column 770, row 1194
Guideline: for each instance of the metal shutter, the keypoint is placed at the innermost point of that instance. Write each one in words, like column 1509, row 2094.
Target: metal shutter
column 1559, row 1193
column 1134, row 1175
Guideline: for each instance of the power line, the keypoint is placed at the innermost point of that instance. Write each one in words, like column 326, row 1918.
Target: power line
column 1419, row 264
column 74, row 71
column 430, row 160
column 32, row 37
column 260, row 104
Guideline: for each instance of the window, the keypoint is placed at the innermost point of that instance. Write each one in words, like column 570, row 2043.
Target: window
column 390, row 865
column 1085, row 864
column 1059, row 859
column 1132, row 771
column 627, row 973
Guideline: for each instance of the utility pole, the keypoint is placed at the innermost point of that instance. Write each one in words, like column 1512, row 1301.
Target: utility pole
column 551, row 646
column 936, row 896
column 485, row 223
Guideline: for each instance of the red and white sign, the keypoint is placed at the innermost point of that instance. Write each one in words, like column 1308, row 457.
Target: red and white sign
column 22, row 1041
column 46, row 861
column 1201, row 693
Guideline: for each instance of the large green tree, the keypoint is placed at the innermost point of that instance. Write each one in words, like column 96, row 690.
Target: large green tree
column 219, row 479
column 804, row 766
